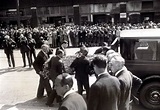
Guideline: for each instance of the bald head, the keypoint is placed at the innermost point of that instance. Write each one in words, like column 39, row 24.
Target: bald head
column 65, row 79
column 63, row 83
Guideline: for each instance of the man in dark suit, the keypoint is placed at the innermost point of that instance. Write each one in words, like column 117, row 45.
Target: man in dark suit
column 38, row 66
column 8, row 45
column 63, row 46
column 81, row 66
column 105, row 92
column 32, row 44
column 126, row 78
column 71, row 99
column 55, row 67
column 25, row 50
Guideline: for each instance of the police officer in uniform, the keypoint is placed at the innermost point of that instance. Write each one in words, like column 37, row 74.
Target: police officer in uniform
column 24, row 49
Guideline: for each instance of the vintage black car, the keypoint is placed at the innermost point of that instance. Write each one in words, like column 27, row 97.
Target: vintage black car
column 141, row 50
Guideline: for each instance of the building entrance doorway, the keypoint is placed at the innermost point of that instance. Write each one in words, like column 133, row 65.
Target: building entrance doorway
column 58, row 21
column 149, row 16
column 102, row 18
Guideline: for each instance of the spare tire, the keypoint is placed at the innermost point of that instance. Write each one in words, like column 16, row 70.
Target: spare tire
column 150, row 96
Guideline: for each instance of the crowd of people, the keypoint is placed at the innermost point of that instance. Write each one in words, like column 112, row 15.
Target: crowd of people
column 28, row 39
column 113, row 89
column 90, row 35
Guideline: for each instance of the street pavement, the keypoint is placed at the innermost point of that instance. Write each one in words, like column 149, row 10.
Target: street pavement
column 18, row 86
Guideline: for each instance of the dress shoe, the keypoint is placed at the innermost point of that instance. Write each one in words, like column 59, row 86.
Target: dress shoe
column 49, row 105
column 40, row 97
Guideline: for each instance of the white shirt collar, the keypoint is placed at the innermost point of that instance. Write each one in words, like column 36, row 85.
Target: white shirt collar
column 104, row 72
column 101, row 74
column 68, row 92
column 120, row 70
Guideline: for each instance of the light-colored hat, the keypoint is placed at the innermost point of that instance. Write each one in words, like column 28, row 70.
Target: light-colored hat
column 7, row 37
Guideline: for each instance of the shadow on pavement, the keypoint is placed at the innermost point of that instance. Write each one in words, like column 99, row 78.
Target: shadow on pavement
column 39, row 104
column 33, row 104
column 17, row 69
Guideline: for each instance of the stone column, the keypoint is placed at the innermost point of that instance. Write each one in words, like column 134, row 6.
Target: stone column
column 91, row 17
column 76, row 14
column 34, row 18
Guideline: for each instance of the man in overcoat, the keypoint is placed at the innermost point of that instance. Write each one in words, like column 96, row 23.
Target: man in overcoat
column 8, row 45
column 81, row 66
column 38, row 65
column 126, row 78
column 55, row 68
column 25, row 50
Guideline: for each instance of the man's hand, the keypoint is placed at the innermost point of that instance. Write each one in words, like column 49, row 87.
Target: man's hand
column 44, row 75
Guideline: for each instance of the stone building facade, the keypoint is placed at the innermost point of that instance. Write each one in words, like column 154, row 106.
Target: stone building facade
column 94, row 11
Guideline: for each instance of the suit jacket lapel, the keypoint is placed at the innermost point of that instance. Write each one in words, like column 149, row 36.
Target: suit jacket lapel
column 120, row 73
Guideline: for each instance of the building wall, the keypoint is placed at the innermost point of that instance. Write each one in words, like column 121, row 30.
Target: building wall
column 6, row 4
column 157, row 5
column 134, row 6
column 88, row 8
